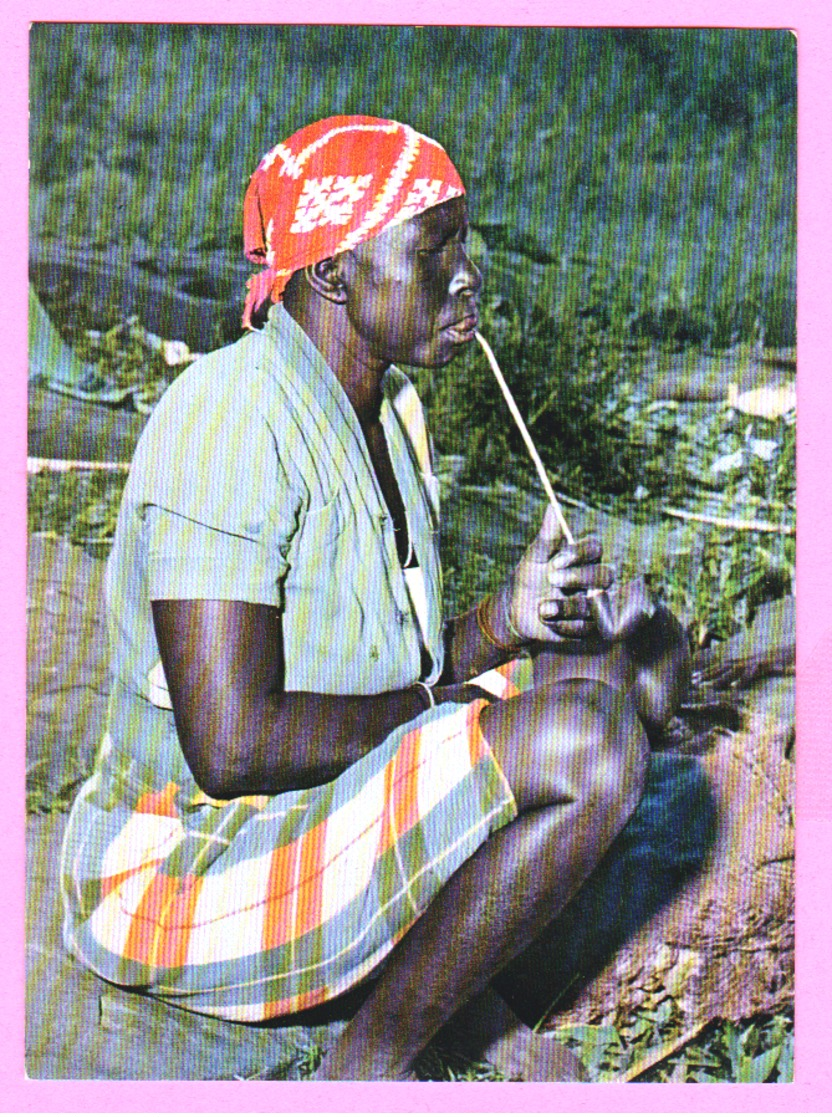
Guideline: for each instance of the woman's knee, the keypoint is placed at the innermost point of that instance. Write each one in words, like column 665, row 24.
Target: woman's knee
column 578, row 741
column 609, row 740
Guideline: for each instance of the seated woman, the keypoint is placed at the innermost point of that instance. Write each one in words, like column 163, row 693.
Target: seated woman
column 299, row 788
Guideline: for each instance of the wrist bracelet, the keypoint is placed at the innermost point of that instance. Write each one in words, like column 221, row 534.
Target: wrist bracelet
column 517, row 636
column 484, row 625
column 428, row 692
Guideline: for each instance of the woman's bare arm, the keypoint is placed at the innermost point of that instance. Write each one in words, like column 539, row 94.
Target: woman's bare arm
column 241, row 733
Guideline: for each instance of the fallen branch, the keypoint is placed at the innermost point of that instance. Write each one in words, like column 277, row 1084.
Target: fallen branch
column 729, row 522
column 659, row 1054
column 66, row 465
column 573, row 502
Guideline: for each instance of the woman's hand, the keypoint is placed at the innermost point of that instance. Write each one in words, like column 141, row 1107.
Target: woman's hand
column 766, row 648
column 546, row 598
column 623, row 613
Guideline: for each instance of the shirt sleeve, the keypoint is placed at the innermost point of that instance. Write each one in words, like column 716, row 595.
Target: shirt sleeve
column 189, row 560
column 218, row 508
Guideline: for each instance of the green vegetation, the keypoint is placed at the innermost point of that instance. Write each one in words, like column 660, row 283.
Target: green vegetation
column 653, row 167
column 81, row 506
column 756, row 1050
column 751, row 1051
column 126, row 362
column 605, row 441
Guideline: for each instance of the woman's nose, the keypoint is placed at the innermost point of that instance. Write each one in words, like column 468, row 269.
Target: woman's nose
column 467, row 276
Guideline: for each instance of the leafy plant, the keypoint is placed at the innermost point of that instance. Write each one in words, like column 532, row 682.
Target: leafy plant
column 756, row 1050
column 80, row 505
column 760, row 1049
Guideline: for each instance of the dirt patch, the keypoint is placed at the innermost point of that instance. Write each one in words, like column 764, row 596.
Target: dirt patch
column 68, row 674
column 708, row 865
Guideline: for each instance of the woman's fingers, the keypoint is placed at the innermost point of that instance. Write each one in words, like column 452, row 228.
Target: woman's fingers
column 574, row 579
column 553, row 583
column 573, row 630
column 582, row 551
column 575, row 608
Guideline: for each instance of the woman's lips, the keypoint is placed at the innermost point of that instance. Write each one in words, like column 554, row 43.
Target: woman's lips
column 464, row 329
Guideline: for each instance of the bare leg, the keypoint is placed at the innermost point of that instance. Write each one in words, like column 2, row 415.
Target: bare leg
column 575, row 756
column 487, row 1031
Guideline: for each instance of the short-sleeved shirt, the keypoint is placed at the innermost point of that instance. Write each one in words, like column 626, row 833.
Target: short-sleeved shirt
column 252, row 482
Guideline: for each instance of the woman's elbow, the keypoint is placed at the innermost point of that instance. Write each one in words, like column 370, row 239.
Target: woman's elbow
column 219, row 772
column 231, row 754
column 217, row 779
column 231, row 781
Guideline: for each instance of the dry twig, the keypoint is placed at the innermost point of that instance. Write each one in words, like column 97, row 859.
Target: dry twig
column 659, row 1054
column 729, row 522
column 66, row 465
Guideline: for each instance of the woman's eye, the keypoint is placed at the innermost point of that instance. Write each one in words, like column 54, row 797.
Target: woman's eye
column 449, row 242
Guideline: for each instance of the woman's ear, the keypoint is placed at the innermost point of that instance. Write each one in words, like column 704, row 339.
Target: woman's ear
column 325, row 279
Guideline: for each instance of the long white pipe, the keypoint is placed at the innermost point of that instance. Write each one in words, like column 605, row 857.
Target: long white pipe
column 527, row 438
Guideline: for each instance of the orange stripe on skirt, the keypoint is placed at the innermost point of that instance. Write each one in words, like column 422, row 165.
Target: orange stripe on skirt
column 310, row 884
column 406, row 782
column 401, row 791
column 296, row 1003
column 109, row 884
column 160, row 930
column 159, row 802
column 507, row 670
column 476, row 742
column 277, row 925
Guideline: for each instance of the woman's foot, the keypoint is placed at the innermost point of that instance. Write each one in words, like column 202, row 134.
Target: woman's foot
column 487, row 1031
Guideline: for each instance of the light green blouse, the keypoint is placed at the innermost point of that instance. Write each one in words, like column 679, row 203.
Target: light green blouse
column 252, row 482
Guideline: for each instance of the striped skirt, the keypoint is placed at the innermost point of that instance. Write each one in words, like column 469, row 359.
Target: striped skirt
column 261, row 906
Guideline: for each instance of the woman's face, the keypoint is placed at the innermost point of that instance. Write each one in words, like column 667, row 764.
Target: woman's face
column 412, row 290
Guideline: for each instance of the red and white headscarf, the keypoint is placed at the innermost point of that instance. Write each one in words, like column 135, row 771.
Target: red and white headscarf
column 331, row 186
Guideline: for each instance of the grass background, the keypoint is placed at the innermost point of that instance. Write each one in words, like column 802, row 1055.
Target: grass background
column 664, row 159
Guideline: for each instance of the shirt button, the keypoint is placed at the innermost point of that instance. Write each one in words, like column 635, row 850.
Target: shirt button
column 382, row 518
column 403, row 617
column 373, row 652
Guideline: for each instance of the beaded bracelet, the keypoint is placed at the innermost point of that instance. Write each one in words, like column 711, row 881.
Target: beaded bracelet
column 428, row 691
column 484, row 625
column 517, row 636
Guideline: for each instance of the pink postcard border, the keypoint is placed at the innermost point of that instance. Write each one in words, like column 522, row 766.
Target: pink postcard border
column 812, row 1089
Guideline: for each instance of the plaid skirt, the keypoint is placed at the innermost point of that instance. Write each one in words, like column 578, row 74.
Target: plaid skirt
column 261, row 906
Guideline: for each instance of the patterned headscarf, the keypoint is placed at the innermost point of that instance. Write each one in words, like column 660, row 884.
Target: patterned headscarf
column 331, row 186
